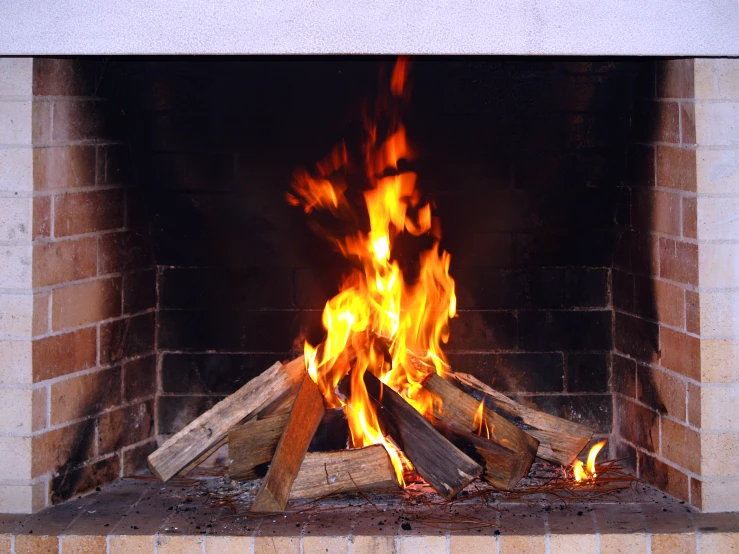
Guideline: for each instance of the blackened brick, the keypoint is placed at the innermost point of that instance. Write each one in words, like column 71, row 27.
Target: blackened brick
column 482, row 330
column 623, row 375
column 139, row 291
column 175, row 412
column 588, row 372
column 212, row 373
column 636, row 337
column 586, row 288
column 73, row 482
column 567, row 330
column 127, row 338
column 514, row 372
column 140, row 378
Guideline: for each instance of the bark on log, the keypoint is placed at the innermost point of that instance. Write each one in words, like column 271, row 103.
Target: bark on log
column 446, row 468
column 503, row 467
column 358, row 470
column 457, row 408
column 302, row 423
column 560, row 440
column 201, row 435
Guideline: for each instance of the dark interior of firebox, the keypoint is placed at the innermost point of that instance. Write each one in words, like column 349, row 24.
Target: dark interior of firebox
column 522, row 158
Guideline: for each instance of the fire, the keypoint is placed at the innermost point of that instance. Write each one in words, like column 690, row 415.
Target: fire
column 480, row 422
column 587, row 472
column 382, row 320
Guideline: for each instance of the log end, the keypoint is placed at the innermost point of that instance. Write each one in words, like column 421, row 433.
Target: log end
column 265, row 503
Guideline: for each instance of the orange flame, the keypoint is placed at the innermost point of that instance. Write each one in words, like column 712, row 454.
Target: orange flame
column 381, row 320
column 581, row 472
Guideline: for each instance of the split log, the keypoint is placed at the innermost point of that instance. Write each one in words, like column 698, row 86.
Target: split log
column 457, row 408
column 560, row 440
column 306, row 414
column 446, row 468
column 503, row 467
column 201, row 435
column 358, row 470
column 252, row 445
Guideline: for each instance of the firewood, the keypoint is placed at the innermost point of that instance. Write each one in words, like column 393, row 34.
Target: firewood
column 253, row 444
column 358, row 470
column 446, row 468
column 503, row 467
column 458, row 408
column 201, row 435
column 560, row 440
column 306, row 414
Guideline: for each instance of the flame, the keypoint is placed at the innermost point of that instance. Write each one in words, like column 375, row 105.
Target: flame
column 480, row 422
column 581, row 472
column 382, row 320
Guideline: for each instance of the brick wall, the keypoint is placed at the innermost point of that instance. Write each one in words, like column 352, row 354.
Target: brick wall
column 674, row 369
column 522, row 158
column 94, row 289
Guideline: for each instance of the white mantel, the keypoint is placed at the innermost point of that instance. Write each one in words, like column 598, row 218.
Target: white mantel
column 502, row 27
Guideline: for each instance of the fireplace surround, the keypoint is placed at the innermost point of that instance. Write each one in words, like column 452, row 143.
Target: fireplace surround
column 152, row 264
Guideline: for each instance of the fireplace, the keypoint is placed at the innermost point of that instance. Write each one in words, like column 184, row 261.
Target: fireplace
column 153, row 264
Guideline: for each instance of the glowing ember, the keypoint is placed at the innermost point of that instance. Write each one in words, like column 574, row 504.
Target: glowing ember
column 581, row 472
column 381, row 320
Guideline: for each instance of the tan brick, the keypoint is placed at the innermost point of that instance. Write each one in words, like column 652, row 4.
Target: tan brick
column 5, row 544
column 718, row 265
column 39, row 402
column 85, row 395
column 661, row 391
column 55, row 448
column 16, row 77
column 633, row 543
column 16, row 127
column 130, row 544
column 83, row 544
column 36, row 544
column 678, row 261
column 17, row 367
column 681, row 445
column 17, row 499
column 319, row 544
column 717, row 449
column 680, row 353
column 522, row 544
column 41, row 313
column 15, row 273
column 86, row 212
column 690, row 218
column 270, row 545
column 63, row 354
column 428, row 544
column 382, row 544
column 717, row 218
column 64, row 261
column 76, row 305
column 15, row 457
column 719, row 496
column 566, row 544
column 717, row 171
column 15, row 411
column 16, row 315
column 724, row 543
column 716, row 123
column 15, row 218
column 182, row 544
column 676, row 168
column 17, row 173
column 719, row 360
column 718, row 407
column 674, row 543
column 716, row 78
column 41, row 217
column 226, row 545
column 719, row 312
column 61, row 167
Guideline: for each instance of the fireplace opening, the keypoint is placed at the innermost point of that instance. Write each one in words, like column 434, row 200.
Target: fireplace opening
column 169, row 269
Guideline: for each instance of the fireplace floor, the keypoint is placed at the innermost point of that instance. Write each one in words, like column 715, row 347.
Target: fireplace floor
column 138, row 515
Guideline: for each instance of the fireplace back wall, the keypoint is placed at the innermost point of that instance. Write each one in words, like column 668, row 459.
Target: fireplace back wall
column 522, row 158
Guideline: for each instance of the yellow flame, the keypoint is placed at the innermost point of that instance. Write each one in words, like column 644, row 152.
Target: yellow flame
column 581, row 472
column 381, row 320
column 480, row 422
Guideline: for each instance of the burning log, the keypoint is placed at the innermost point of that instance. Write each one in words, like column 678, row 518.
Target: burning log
column 503, row 467
column 343, row 471
column 254, row 443
column 560, row 440
column 457, row 408
column 446, row 468
column 304, row 418
column 188, row 447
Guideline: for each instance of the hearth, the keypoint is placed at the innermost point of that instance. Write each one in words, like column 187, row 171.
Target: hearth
column 157, row 266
